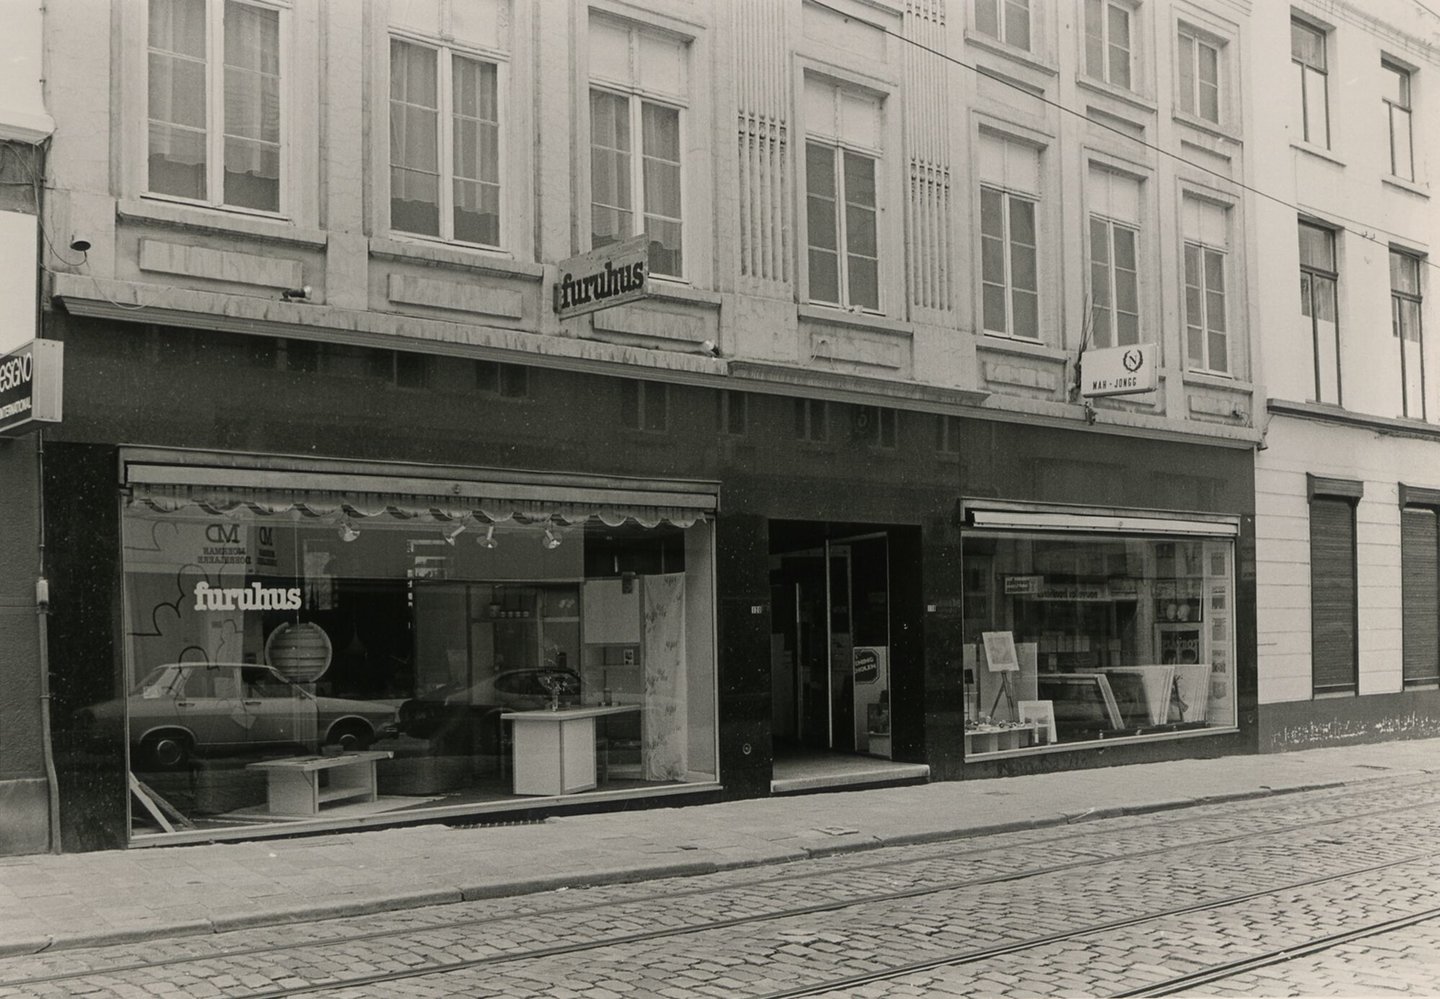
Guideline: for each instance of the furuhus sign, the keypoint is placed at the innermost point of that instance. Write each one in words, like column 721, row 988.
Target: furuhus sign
column 612, row 275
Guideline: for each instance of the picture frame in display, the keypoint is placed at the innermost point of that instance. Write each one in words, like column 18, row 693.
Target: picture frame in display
column 1042, row 712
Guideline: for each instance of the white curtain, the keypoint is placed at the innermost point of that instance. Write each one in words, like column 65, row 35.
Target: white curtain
column 252, row 90
column 663, row 742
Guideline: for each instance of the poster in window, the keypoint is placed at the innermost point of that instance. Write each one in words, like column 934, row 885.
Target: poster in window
column 1179, row 646
column 1000, row 653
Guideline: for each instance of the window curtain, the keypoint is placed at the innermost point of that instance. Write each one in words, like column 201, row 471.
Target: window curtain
column 611, row 205
column 663, row 740
column 476, row 158
column 177, row 85
column 252, row 106
column 414, row 139
column 660, row 138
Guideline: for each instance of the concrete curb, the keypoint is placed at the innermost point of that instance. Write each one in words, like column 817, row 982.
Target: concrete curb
column 638, row 872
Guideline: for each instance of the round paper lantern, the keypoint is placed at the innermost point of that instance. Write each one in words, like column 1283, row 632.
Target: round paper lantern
column 300, row 651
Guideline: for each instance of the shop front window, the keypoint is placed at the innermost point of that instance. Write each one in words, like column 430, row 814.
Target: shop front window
column 1079, row 640
column 307, row 657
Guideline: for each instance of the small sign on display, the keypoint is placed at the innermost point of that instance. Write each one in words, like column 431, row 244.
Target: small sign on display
column 31, row 387
column 1120, row 370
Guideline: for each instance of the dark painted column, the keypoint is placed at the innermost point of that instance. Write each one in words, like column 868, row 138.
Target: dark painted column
column 742, row 578
column 82, row 520
column 944, row 694
column 23, row 791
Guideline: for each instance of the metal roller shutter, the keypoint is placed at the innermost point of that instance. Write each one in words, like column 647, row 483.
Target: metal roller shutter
column 1420, row 582
column 1332, row 594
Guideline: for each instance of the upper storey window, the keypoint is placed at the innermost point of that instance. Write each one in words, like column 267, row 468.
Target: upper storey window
column 1308, row 54
column 214, row 102
column 1115, row 270
column 1009, row 250
column 1005, row 21
column 1319, row 277
column 1109, row 48
column 1200, row 64
column 842, row 157
column 444, row 143
column 639, row 86
column 1397, row 109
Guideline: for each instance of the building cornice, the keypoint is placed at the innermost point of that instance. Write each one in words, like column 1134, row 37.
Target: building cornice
column 130, row 302
column 1335, row 415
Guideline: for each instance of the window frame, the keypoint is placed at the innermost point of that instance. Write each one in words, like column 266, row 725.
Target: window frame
column 1190, row 103
column 214, row 71
column 1113, row 333
column 1008, row 243
column 1407, row 80
column 812, row 420
column 446, row 52
column 732, row 412
column 1001, row 34
column 1205, row 365
column 839, row 197
column 636, row 96
column 1132, row 55
column 1323, row 71
column 1399, row 298
column 1309, row 273
column 645, row 399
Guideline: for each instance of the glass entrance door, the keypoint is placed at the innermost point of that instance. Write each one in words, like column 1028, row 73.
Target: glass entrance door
column 831, row 657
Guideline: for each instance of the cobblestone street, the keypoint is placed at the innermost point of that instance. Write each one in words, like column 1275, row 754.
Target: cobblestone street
column 1127, row 905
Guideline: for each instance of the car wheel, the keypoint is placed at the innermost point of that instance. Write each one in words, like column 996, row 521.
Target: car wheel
column 351, row 736
column 167, row 750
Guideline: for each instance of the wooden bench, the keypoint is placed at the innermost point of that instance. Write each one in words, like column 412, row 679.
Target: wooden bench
column 294, row 785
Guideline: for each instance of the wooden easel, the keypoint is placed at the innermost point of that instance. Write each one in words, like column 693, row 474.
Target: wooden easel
column 1004, row 692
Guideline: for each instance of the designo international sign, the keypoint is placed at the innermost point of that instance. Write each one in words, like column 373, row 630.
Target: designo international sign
column 30, row 387
column 611, row 275
column 1120, row 370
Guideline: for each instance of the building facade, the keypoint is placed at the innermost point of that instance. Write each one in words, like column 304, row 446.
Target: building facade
column 359, row 514
column 1346, row 479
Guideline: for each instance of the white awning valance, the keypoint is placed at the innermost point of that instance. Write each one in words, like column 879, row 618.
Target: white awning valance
column 236, row 492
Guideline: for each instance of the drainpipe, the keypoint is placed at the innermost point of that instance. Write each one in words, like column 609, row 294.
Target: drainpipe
column 42, row 616
column 42, row 584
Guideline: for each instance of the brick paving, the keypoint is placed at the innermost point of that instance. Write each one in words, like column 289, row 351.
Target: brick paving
column 1126, row 867
column 199, row 902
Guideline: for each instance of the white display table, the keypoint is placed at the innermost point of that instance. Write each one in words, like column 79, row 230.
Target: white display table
column 294, row 784
column 555, row 750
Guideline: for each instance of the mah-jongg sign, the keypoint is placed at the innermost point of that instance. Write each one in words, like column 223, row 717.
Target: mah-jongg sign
column 612, row 275
column 30, row 387
column 1120, row 370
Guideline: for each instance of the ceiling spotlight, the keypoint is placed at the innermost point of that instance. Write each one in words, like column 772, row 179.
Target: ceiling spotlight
column 347, row 531
column 488, row 541
column 452, row 530
column 80, row 245
column 551, row 540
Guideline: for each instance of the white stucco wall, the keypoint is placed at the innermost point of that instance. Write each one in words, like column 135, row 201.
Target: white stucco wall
column 1282, row 544
column 22, row 105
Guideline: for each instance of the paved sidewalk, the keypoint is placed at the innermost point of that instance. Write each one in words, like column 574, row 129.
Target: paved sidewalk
column 118, row 896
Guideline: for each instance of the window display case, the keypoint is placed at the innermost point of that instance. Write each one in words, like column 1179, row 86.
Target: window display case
column 1121, row 636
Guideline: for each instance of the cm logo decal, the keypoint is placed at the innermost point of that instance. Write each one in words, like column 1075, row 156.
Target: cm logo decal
column 222, row 534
